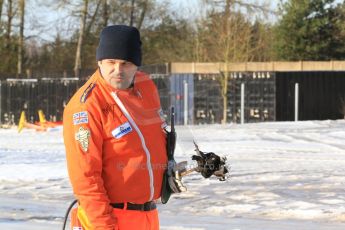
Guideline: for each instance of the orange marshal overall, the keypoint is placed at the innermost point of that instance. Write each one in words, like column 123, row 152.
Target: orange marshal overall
column 116, row 152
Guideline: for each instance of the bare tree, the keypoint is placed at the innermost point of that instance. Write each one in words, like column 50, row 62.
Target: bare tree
column 93, row 19
column 105, row 15
column 10, row 15
column 77, row 65
column 1, row 4
column 131, row 12
column 131, row 15
column 85, row 14
column 144, row 6
column 21, row 37
column 227, row 39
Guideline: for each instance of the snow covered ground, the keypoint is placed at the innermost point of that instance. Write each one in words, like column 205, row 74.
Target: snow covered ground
column 284, row 175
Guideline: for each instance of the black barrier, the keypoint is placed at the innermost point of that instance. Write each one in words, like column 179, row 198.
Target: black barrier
column 268, row 96
column 321, row 95
column 30, row 95
column 259, row 96
column 208, row 105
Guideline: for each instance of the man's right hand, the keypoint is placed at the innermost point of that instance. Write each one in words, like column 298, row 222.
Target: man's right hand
column 174, row 178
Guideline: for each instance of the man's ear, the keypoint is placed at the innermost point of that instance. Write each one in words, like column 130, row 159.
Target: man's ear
column 99, row 63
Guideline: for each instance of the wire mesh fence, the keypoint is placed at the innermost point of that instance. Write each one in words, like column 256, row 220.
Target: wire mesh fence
column 197, row 98
column 30, row 95
column 203, row 106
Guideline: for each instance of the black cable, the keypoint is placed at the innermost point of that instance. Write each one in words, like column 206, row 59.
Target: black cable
column 67, row 213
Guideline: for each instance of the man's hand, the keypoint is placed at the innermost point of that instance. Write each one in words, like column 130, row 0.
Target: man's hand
column 174, row 178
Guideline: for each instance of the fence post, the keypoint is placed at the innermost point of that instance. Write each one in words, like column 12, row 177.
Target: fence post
column 242, row 102
column 185, row 112
column 296, row 100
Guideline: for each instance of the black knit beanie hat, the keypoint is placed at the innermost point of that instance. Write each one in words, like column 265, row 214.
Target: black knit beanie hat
column 120, row 42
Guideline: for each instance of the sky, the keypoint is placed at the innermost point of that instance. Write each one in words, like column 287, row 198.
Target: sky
column 40, row 14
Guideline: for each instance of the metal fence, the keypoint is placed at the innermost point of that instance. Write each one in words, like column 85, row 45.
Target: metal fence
column 197, row 98
column 30, row 95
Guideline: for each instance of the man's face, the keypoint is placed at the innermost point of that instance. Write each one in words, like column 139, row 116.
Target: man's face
column 118, row 73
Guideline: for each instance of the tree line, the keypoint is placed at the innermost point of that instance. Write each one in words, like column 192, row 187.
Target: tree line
column 220, row 31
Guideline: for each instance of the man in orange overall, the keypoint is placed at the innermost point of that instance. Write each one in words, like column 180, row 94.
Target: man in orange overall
column 115, row 140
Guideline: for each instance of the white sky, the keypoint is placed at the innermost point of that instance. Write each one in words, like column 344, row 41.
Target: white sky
column 40, row 15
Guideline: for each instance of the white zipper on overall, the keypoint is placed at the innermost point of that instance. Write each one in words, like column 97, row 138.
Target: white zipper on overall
column 148, row 155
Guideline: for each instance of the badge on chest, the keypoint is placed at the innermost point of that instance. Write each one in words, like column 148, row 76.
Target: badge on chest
column 122, row 130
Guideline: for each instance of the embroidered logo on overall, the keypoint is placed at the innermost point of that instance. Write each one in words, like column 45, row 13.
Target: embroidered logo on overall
column 122, row 130
column 80, row 118
column 83, row 136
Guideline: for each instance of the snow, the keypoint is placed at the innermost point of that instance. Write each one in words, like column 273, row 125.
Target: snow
column 284, row 175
